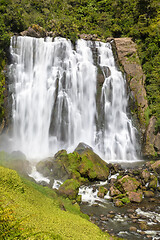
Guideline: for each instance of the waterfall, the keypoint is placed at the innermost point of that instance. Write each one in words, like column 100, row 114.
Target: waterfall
column 55, row 99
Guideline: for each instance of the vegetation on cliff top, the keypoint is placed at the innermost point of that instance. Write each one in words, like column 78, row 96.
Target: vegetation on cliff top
column 139, row 19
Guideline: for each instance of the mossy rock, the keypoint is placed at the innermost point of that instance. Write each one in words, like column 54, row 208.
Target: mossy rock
column 102, row 191
column 153, row 182
column 86, row 166
column 69, row 189
column 127, row 184
column 135, row 196
column 93, row 166
column 55, row 167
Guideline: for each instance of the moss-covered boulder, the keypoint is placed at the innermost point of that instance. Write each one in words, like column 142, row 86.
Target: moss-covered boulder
column 69, row 189
column 135, row 196
column 127, row 184
column 55, row 167
column 92, row 166
column 114, row 191
column 145, row 175
column 102, row 191
column 86, row 166
column 153, row 182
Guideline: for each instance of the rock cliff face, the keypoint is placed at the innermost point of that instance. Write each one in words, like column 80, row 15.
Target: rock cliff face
column 129, row 61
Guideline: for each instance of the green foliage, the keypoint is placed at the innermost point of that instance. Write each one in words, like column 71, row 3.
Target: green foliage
column 147, row 115
column 36, row 214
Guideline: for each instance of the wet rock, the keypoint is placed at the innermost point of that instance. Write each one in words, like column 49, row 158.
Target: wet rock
column 44, row 184
column 133, row 229
column 111, row 212
column 104, row 219
column 102, row 192
column 110, row 216
column 18, row 155
column 132, row 216
column 134, row 220
column 53, row 167
column 135, row 197
column 114, row 191
column 148, row 194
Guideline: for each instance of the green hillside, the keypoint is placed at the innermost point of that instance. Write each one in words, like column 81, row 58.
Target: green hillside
column 29, row 211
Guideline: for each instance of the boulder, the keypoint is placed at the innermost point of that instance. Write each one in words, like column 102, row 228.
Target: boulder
column 118, row 203
column 145, row 175
column 148, row 194
column 55, row 167
column 128, row 184
column 143, row 226
column 69, row 189
column 114, row 191
column 92, row 166
column 102, row 191
column 133, row 229
column 153, row 182
column 83, row 167
column 135, row 196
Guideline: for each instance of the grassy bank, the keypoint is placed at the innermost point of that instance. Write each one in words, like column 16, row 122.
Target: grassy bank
column 30, row 211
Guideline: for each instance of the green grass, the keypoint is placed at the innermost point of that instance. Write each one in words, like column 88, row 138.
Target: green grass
column 33, row 212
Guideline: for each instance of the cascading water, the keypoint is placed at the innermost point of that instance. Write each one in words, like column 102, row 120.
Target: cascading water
column 54, row 101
